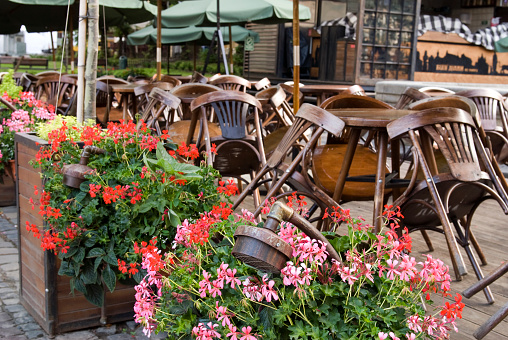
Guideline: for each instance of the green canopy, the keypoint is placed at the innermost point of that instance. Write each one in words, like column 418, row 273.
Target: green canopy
column 51, row 15
column 501, row 45
column 173, row 36
column 204, row 12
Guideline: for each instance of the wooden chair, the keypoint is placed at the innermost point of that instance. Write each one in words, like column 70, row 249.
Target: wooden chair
column 110, row 80
column 28, row 82
column 105, row 110
column 410, row 95
column 327, row 157
column 160, row 111
column 231, row 83
column 469, row 106
column 142, row 94
column 57, row 90
column 355, row 89
column 198, row 78
column 278, row 116
column 49, row 73
column 263, row 84
column 447, row 195
column 179, row 130
column 237, row 152
column 167, row 79
column 490, row 104
column 288, row 89
column 309, row 119
column 502, row 313
column 435, row 89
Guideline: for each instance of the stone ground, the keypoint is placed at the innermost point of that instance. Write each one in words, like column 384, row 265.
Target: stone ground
column 15, row 322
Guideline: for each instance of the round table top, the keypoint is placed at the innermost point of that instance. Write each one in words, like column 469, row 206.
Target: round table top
column 124, row 88
column 369, row 117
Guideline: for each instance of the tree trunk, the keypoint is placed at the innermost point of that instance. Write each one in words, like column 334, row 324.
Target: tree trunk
column 91, row 59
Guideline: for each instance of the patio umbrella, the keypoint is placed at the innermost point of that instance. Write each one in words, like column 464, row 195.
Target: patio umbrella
column 205, row 12
column 186, row 34
column 51, row 15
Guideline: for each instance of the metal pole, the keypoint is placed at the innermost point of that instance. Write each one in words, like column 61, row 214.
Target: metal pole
column 221, row 45
column 159, row 44
column 296, row 56
column 81, row 60
column 230, row 49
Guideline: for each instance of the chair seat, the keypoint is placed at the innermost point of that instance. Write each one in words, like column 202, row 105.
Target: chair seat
column 273, row 139
column 179, row 130
column 462, row 199
column 326, row 164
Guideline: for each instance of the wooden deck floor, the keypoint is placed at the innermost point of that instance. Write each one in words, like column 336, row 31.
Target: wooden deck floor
column 490, row 227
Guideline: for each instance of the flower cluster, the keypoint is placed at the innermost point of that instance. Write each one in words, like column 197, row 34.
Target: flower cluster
column 134, row 196
column 28, row 113
column 376, row 290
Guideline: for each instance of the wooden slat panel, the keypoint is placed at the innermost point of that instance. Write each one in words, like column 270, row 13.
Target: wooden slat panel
column 263, row 58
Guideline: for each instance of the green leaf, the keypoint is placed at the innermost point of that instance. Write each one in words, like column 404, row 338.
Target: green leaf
column 91, row 239
column 174, row 220
column 79, row 256
column 111, row 258
column 97, row 262
column 95, row 294
column 66, row 269
column 95, row 252
column 109, row 278
column 85, row 186
column 89, row 274
column 298, row 330
column 70, row 252
column 81, row 196
column 79, row 285
column 266, row 318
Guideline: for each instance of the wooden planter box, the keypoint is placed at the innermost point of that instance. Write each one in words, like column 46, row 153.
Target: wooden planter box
column 7, row 192
column 45, row 294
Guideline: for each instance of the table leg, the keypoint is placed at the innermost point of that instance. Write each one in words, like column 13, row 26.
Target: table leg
column 380, row 181
column 395, row 155
column 346, row 164
column 125, row 105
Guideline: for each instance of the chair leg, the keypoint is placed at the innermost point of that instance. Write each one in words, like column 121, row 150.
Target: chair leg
column 492, row 322
column 477, row 248
column 476, row 267
column 427, row 240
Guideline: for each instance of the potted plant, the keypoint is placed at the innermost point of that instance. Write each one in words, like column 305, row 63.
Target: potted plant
column 22, row 115
column 375, row 290
column 137, row 189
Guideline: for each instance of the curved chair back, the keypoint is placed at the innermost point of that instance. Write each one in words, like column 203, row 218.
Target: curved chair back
column 409, row 96
column 57, row 90
column 231, row 83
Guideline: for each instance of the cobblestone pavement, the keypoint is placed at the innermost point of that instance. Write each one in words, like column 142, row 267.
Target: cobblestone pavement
column 15, row 322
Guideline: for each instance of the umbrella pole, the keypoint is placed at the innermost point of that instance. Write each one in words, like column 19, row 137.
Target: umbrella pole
column 296, row 56
column 91, row 60
column 194, row 54
column 81, row 60
column 159, row 45
column 53, row 50
column 221, row 44
column 169, row 47
column 230, row 49
column 71, row 41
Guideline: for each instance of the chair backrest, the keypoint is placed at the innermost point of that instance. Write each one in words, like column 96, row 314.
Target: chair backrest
column 111, row 80
column 187, row 93
column 232, row 109
column 198, row 78
column 160, row 110
column 436, row 89
column 142, row 93
column 57, row 90
column 49, row 73
column 355, row 89
column 168, row 79
column 103, row 94
column 349, row 101
column 490, row 103
column 409, row 96
column 28, row 82
column 262, row 84
column 231, row 83
column 277, row 99
column 452, row 130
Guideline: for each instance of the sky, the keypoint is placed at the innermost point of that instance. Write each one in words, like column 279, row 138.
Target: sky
column 35, row 42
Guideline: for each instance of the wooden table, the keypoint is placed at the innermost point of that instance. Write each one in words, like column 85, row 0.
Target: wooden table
column 126, row 90
column 370, row 119
column 321, row 92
